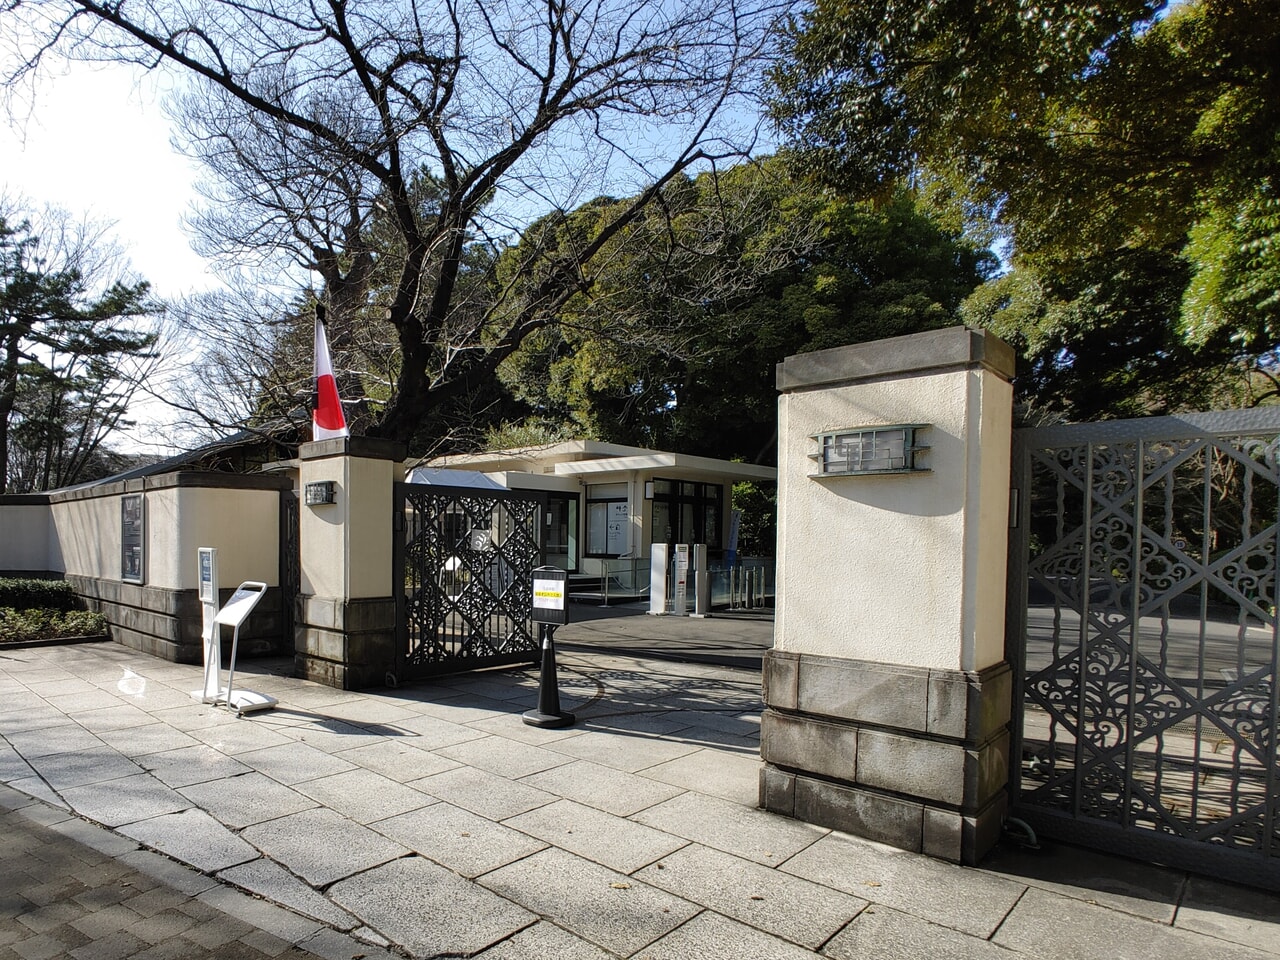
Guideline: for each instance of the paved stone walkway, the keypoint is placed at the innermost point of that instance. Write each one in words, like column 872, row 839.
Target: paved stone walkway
column 430, row 821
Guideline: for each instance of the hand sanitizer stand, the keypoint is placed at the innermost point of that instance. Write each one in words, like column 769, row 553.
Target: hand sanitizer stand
column 209, row 630
column 233, row 614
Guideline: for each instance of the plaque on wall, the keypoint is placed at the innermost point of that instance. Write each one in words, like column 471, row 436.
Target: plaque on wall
column 131, row 538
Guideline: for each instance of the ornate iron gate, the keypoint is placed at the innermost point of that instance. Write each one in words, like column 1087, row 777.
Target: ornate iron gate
column 464, row 559
column 1142, row 630
column 290, row 568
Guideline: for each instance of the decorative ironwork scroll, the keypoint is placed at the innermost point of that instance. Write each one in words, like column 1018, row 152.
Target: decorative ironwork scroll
column 1143, row 630
column 465, row 561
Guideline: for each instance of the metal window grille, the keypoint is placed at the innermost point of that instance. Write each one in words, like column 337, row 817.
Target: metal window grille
column 869, row 450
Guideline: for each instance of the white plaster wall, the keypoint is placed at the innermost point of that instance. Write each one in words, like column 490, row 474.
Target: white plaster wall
column 346, row 545
column 890, row 568
column 369, row 527
column 244, row 526
column 322, row 531
column 88, row 532
column 24, row 537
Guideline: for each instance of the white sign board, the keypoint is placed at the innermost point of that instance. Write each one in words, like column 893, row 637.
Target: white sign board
column 548, row 594
column 241, row 604
column 207, row 569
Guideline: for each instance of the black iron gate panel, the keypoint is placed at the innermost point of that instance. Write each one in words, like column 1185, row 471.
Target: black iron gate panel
column 1142, row 630
column 290, row 567
column 464, row 561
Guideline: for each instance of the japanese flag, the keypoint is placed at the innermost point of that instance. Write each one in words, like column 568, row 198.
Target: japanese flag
column 327, row 420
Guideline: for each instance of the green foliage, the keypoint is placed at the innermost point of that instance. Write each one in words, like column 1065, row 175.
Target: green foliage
column 675, row 345
column 758, row 531
column 33, row 609
column 24, row 593
column 1129, row 152
column 24, row 626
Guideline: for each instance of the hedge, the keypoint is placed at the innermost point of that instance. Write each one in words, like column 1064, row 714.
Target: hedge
column 25, row 594
column 19, row 626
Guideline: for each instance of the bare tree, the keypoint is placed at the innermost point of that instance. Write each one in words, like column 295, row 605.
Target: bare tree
column 369, row 142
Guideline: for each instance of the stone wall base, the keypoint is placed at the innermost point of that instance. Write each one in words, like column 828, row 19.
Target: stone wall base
column 166, row 623
column 348, row 644
column 911, row 757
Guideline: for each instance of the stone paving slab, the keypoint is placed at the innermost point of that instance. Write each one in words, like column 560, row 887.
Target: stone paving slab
column 621, row 750
column 193, row 837
column 730, row 776
column 593, row 902
column 604, row 788
column 743, row 831
column 242, row 801
column 185, row 766
column 484, row 793
column 153, row 737
column 467, row 844
column 502, row 756
column 513, row 727
column 796, row 910
column 398, row 759
column 608, row 840
column 322, row 846
column 364, row 796
column 886, row 934
column 113, row 718
column 1054, row 927
column 711, row 935
column 271, row 881
column 293, row 762
column 942, row 893
column 124, row 800
column 429, row 910
column 1232, row 913
column 432, row 732
column 1143, row 889
column 544, row 941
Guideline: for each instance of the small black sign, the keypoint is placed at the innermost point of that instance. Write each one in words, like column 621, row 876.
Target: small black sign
column 131, row 538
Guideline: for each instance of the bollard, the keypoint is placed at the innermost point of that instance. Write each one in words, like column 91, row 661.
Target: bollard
column 548, row 713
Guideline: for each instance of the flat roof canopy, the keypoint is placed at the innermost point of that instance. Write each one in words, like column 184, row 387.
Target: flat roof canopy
column 676, row 462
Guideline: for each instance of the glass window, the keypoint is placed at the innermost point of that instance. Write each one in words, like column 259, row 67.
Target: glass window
column 562, row 532
column 687, row 512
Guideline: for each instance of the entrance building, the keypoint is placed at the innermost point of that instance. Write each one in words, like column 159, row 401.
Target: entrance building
column 606, row 501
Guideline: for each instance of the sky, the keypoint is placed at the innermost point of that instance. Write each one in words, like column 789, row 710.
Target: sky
column 96, row 142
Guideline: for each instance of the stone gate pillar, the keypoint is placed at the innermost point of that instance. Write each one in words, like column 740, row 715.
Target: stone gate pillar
column 887, row 694
column 345, row 634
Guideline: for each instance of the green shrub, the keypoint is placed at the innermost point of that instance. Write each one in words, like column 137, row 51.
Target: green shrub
column 17, row 626
column 26, row 594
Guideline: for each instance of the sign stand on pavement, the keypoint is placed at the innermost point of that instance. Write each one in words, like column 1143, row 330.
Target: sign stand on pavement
column 210, row 640
column 550, row 590
column 233, row 614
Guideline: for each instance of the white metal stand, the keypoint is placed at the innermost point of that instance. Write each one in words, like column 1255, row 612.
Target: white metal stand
column 233, row 614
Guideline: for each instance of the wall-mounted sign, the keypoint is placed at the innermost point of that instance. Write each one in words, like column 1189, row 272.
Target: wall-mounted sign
column 132, row 542
column 320, row 492
column 863, row 451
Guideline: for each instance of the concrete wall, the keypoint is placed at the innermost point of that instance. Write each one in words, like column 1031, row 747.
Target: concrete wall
column 914, row 580
column 887, row 695
column 26, row 544
column 345, row 634
column 81, row 539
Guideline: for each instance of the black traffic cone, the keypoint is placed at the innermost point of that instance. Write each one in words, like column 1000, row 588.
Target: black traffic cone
column 548, row 713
